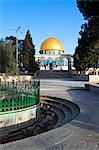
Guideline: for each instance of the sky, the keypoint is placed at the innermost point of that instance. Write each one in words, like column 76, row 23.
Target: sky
column 44, row 18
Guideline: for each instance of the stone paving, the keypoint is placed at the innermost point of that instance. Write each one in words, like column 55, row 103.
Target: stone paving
column 82, row 133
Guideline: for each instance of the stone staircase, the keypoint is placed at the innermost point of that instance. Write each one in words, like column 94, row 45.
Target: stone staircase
column 45, row 74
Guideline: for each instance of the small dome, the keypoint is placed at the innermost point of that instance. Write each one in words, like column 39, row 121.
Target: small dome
column 51, row 44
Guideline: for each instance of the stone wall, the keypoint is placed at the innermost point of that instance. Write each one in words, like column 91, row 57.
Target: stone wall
column 15, row 78
column 81, row 78
column 94, row 78
column 17, row 116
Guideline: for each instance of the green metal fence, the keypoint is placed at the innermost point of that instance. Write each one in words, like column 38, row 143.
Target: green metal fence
column 18, row 95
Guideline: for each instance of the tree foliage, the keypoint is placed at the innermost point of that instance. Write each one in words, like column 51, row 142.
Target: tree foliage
column 87, row 52
column 89, row 8
column 12, row 38
column 20, row 45
column 7, row 59
column 28, row 53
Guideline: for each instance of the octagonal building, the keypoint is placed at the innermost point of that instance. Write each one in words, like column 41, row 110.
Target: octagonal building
column 52, row 55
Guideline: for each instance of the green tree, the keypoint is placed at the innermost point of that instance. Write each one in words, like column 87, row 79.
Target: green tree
column 20, row 45
column 89, row 8
column 7, row 59
column 28, row 53
column 87, row 52
column 90, row 11
column 86, row 55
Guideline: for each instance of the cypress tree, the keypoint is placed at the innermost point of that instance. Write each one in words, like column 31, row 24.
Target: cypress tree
column 28, row 51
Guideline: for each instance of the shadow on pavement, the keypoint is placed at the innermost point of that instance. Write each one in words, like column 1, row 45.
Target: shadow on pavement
column 88, row 102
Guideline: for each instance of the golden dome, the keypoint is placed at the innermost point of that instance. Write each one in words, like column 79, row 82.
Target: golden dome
column 51, row 44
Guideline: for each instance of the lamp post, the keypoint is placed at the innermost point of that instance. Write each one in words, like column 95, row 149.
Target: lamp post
column 16, row 30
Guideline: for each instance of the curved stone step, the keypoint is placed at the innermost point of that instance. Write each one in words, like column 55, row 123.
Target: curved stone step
column 67, row 111
column 74, row 107
column 59, row 112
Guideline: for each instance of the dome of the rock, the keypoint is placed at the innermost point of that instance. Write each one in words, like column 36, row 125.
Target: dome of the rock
column 51, row 44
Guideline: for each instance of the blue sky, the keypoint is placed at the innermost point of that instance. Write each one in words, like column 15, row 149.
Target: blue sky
column 44, row 18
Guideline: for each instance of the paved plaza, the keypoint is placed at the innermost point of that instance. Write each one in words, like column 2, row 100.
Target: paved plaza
column 82, row 133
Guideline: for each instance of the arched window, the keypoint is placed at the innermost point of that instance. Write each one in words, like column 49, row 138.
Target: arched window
column 57, row 62
column 42, row 61
column 49, row 60
column 64, row 62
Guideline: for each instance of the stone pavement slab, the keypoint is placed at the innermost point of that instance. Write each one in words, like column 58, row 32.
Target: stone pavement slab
column 82, row 133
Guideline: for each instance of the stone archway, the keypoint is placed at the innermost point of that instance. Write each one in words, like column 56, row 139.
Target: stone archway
column 49, row 63
column 42, row 63
column 63, row 61
column 66, row 62
column 57, row 63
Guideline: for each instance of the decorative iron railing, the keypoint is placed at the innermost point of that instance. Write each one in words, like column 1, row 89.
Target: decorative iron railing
column 18, row 95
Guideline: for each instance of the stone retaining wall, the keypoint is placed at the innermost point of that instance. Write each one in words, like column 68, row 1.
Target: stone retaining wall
column 10, row 78
column 81, row 77
column 94, row 78
column 17, row 116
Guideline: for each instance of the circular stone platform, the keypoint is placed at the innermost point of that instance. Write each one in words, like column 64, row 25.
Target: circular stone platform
column 82, row 133
column 56, row 112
